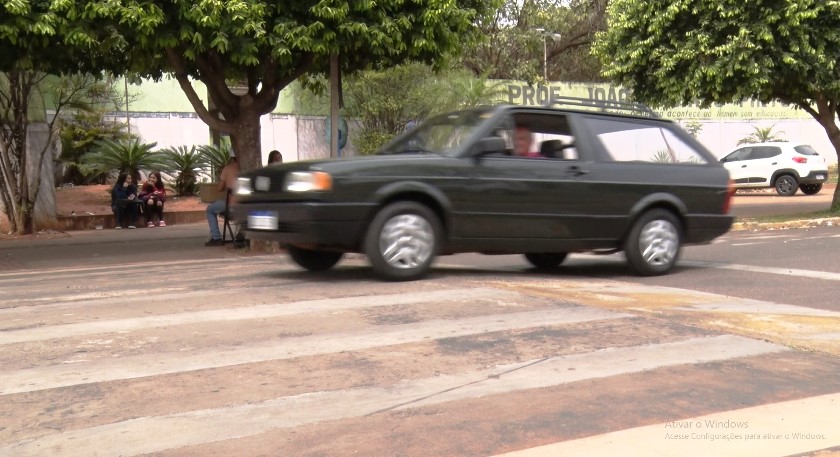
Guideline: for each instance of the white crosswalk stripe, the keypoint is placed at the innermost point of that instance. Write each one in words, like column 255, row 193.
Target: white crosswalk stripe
column 262, row 367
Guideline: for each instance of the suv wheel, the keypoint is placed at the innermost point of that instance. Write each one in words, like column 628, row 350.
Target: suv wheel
column 810, row 189
column 314, row 260
column 402, row 241
column 653, row 245
column 546, row 260
column 786, row 185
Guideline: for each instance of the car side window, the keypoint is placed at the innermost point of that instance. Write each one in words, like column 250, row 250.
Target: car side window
column 765, row 152
column 628, row 141
column 549, row 136
column 738, row 154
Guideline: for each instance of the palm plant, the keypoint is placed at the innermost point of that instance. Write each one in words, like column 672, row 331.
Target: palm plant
column 468, row 91
column 761, row 135
column 186, row 162
column 662, row 156
column 129, row 156
column 216, row 157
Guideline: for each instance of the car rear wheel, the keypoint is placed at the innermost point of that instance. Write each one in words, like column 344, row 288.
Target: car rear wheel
column 403, row 240
column 546, row 260
column 786, row 185
column 314, row 260
column 810, row 189
column 653, row 245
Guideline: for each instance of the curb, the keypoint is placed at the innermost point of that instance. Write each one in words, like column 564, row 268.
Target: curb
column 799, row 223
column 91, row 221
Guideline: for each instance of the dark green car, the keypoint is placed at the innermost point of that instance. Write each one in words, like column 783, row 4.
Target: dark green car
column 539, row 181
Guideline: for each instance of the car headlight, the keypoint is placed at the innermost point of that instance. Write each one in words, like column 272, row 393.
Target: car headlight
column 308, row 181
column 243, row 186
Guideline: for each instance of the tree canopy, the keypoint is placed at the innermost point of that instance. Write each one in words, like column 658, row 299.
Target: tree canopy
column 511, row 45
column 40, row 38
column 678, row 52
column 246, row 51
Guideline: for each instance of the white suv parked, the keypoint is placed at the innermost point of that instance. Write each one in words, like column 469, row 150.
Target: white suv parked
column 783, row 165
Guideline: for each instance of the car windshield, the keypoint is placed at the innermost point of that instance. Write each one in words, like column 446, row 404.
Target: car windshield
column 444, row 134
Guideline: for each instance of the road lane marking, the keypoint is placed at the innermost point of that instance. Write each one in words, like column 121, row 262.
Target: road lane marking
column 111, row 268
column 101, row 370
column 252, row 312
column 783, row 429
column 814, row 274
column 131, row 437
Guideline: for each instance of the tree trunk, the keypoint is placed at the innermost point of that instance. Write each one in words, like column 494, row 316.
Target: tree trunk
column 826, row 114
column 834, row 136
column 246, row 140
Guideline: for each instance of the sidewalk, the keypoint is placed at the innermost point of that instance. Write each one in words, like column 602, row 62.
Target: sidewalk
column 92, row 221
column 147, row 248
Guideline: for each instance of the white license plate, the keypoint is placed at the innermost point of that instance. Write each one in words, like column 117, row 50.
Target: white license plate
column 262, row 221
column 820, row 176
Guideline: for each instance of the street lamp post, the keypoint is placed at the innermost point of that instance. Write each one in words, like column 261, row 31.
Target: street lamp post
column 545, row 36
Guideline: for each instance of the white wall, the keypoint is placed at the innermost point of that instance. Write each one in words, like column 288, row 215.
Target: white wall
column 721, row 137
column 302, row 138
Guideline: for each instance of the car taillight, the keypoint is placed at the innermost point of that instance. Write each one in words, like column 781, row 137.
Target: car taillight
column 730, row 191
column 800, row 159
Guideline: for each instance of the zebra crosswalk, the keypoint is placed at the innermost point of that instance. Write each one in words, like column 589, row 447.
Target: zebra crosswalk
column 249, row 358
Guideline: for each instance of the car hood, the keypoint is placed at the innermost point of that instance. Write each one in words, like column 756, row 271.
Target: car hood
column 356, row 166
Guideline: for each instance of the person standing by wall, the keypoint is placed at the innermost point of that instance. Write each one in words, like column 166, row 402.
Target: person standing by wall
column 227, row 183
column 275, row 157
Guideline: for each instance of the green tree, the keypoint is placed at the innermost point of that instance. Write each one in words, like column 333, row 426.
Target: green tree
column 83, row 126
column 186, row 163
column 675, row 52
column 469, row 91
column 216, row 157
column 24, row 97
column 128, row 156
column 512, row 47
column 761, row 135
column 386, row 102
column 244, row 52
column 693, row 128
column 38, row 38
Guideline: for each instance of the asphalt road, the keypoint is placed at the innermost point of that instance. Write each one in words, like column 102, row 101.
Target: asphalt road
column 794, row 266
column 249, row 356
column 766, row 202
column 145, row 342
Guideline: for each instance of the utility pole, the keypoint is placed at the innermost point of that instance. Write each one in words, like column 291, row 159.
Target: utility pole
column 334, row 105
column 545, row 36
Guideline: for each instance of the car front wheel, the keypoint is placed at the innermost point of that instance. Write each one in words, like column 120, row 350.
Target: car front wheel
column 810, row 189
column 402, row 241
column 546, row 260
column 786, row 185
column 314, row 260
column 653, row 245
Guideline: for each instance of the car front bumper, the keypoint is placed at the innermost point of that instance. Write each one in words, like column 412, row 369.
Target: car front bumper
column 316, row 224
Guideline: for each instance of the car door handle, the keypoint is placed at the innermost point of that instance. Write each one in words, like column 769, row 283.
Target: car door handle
column 576, row 170
column 743, row 166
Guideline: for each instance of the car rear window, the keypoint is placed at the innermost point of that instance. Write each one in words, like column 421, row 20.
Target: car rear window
column 804, row 149
column 627, row 141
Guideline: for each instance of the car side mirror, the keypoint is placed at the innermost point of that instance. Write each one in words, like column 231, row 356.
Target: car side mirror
column 490, row 145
